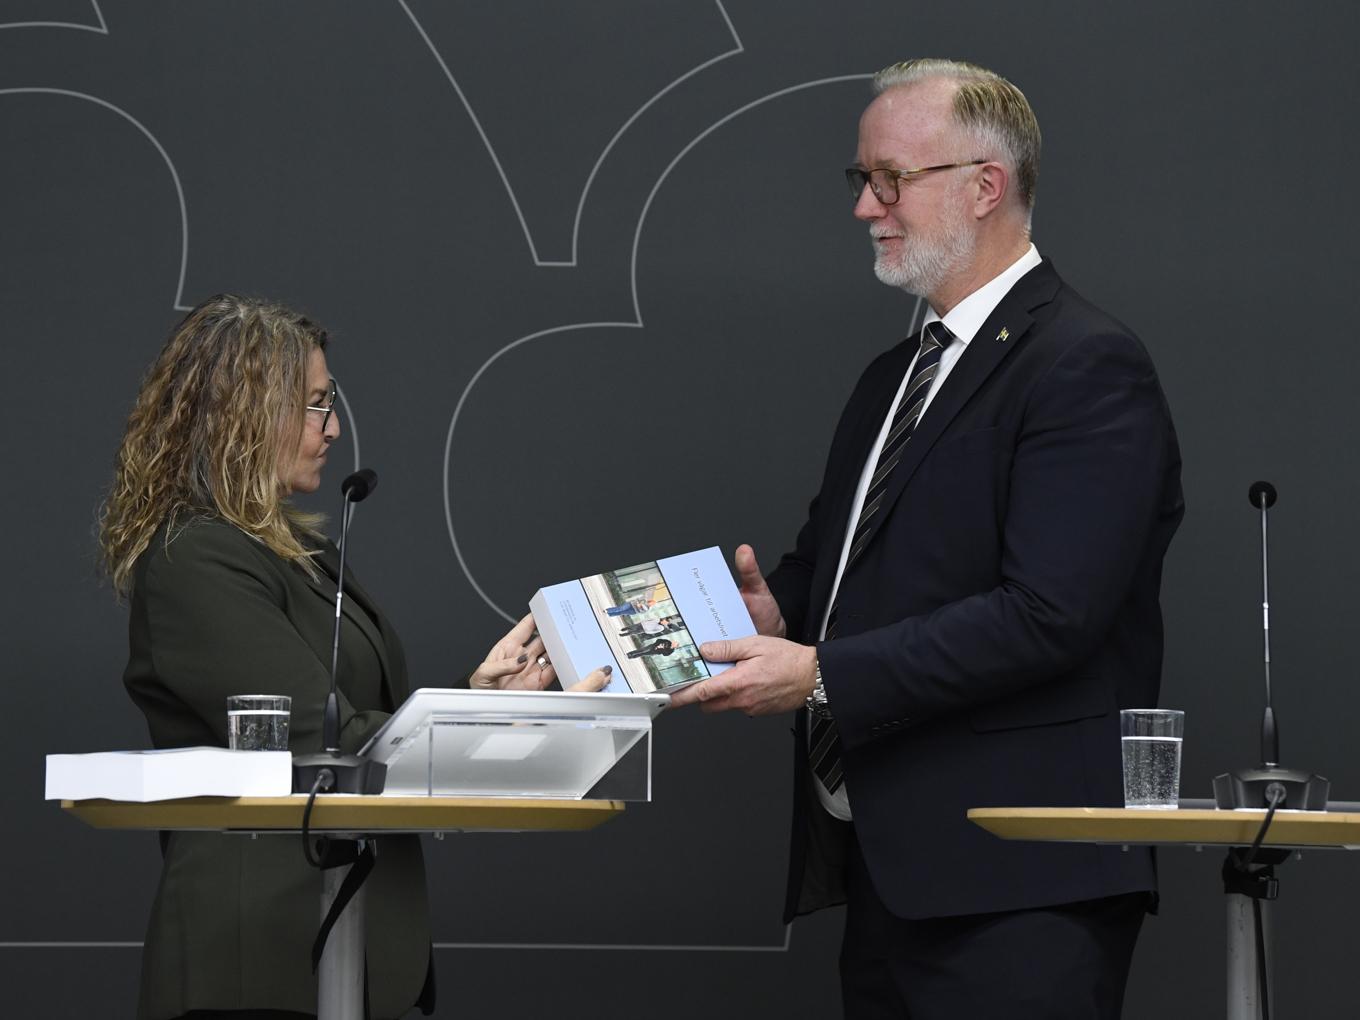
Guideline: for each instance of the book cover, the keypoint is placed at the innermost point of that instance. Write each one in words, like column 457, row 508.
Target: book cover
column 647, row 621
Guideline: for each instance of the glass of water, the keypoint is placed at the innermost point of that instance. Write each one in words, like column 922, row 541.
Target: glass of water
column 258, row 722
column 1151, row 739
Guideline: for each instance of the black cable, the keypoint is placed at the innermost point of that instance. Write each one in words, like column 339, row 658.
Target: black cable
column 325, row 779
column 1275, row 794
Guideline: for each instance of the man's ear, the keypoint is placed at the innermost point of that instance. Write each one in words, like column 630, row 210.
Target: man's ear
column 992, row 185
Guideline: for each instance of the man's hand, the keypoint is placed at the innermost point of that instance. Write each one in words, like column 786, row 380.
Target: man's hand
column 755, row 593
column 771, row 675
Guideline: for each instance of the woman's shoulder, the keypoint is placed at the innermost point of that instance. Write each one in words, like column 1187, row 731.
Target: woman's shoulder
column 191, row 546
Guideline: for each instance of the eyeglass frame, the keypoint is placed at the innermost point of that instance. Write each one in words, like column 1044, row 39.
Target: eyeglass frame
column 867, row 178
column 329, row 408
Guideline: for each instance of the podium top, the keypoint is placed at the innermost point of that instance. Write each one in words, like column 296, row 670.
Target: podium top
column 1289, row 829
column 348, row 814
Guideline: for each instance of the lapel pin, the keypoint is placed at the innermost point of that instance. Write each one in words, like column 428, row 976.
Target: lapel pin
column 1004, row 335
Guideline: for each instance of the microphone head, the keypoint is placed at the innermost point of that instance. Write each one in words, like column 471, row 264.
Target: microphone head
column 357, row 486
column 1261, row 494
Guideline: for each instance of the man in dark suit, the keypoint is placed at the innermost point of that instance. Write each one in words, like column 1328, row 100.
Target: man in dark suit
column 975, row 593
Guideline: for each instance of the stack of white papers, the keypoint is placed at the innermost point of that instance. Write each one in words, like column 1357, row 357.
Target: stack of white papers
column 164, row 775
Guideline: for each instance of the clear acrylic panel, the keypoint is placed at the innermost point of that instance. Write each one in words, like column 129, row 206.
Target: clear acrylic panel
column 516, row 754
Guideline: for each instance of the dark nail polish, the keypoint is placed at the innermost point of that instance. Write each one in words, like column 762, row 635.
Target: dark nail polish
column 609, row 671
column 522, row 659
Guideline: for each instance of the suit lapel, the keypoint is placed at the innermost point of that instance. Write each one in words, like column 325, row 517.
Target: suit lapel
column 356, row 607
column 1002, row 332
column 873, row 410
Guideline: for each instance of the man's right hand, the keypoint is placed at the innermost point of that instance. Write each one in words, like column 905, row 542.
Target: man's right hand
column 755, row 593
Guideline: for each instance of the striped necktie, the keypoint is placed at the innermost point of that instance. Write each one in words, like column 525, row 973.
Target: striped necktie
column 824, row 746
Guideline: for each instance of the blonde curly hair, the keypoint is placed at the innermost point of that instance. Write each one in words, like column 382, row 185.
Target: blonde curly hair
column 219, row 408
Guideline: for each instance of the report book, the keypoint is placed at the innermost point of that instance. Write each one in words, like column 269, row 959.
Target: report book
column 165, row 775
column 647, row 621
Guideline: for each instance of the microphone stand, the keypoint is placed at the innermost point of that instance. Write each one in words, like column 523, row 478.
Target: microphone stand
column 1269, row 785
column 330, row 771
column 1249, row 873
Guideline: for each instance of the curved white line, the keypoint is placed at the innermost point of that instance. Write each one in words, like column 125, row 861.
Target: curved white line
column 495, row 161
column 627, row 947
column 101, row 29
column 646, row 206
column 604, row 153
column 448, row 441
column 350, row 424
column 637, row 311
column 174, row 174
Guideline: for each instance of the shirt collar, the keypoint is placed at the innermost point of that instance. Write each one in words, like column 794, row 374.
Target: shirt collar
column 967, row 317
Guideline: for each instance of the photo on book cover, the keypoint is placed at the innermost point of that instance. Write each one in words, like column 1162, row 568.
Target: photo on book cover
column 644, row 627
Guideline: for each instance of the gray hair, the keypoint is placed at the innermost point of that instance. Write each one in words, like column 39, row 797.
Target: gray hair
column 993, row 110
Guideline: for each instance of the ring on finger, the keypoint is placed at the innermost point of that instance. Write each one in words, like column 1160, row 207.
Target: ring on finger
column 542, row 661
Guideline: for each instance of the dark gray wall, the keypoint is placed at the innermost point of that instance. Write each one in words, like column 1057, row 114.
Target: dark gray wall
column 598, row 296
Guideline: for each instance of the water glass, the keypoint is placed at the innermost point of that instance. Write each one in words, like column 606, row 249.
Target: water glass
column 258, row 722
column 1151, row 739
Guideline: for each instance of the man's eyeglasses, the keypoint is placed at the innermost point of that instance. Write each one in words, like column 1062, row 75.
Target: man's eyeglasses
column 883, row 181
column 326, row 408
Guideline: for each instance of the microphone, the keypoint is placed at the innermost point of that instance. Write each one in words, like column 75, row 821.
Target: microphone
column 357, row 486
column 336, row 772
column 1269, row 785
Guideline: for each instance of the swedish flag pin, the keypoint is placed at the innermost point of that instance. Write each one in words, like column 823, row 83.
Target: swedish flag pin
column 1004, row 335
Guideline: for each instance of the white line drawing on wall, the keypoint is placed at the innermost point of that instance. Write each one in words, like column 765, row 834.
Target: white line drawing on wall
column 351, row 426
column 604, row 153
column 630, row 947
column 174, row 174
column 627, row 947
column 350, row 422
column 637, row 322
column 100, row 29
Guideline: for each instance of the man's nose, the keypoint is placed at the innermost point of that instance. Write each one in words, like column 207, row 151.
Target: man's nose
column 867, row 206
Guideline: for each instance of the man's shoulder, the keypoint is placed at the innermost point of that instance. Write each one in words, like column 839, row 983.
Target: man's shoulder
column 1065, row 319
column 1070, row 310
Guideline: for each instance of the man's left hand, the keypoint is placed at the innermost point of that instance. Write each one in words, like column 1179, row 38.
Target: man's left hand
column 771, row 675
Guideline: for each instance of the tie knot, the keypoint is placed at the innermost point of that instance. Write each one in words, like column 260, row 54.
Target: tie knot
column 934, row 336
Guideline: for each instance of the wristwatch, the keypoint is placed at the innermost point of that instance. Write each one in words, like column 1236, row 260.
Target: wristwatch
column 816, row 701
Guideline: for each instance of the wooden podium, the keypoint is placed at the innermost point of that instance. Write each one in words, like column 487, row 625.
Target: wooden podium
column 340, row 977
column 341, row 814
column 1195, row 824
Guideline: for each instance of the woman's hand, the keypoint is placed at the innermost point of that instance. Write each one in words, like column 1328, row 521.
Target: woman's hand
column 593, row 681
column 518, row 662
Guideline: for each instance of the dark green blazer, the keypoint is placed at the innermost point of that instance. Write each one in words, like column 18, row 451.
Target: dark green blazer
column 215, row 613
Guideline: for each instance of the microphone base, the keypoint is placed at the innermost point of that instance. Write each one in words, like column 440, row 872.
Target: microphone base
column 1246, row 788
column 352, row 773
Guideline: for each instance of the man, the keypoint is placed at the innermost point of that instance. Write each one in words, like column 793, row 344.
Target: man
column 975, row 592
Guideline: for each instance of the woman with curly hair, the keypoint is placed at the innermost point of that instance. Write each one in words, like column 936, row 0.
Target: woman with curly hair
column 232, row 589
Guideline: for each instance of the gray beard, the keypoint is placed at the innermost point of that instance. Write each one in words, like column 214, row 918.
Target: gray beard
column 924, row 264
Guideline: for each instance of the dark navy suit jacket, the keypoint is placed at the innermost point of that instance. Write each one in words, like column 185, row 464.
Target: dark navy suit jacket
column 1004, row 611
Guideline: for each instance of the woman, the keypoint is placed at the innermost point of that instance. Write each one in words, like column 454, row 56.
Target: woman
column 232, row 591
